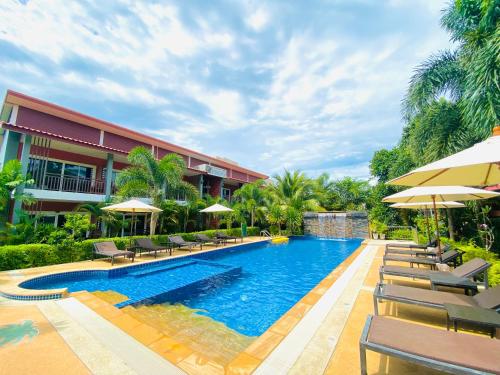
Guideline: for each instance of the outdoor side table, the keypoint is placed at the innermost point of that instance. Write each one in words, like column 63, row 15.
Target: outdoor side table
column 442, row 279
column 482, row 317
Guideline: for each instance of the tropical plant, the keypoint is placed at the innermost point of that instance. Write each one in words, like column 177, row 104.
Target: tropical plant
column 148, row 177
column 11, row 179
column 251, row 198
column 349, row 194
column 276, row 216
column 469, row 76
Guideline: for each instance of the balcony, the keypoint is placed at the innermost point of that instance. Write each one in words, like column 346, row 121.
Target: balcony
column 71, row 184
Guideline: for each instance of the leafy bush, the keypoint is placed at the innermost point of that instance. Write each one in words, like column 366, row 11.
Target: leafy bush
column 65, row 249
column 471, row 251
column 25, row 256
column 400, row 234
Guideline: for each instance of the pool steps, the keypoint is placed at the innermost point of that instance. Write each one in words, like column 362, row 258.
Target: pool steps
column 189, row 282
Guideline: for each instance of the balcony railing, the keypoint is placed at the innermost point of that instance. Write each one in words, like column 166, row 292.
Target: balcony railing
column 71, row 184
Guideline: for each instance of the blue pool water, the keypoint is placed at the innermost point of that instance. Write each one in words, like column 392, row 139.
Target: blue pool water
column 247, row 287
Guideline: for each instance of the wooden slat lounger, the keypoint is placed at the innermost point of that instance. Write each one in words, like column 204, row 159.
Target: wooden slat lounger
column 204, row 239
column 182, row 244
column 471, row 268
column 451, row 256
column 109, row 249
column 452, row 352
column 488, row 299
column 420, row 250
column 146, row 245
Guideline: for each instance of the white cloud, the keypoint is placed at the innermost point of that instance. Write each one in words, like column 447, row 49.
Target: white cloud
column 258, row 19
column 113, row 90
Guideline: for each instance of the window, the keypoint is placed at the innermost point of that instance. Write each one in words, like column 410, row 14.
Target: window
column 226, row 194
column 113, row 175
column 77, row 171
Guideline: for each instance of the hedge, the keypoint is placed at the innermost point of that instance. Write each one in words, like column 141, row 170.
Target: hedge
column 37, row 255
column 471, row 251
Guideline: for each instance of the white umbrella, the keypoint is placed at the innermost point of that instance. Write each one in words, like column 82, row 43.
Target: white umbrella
column 427, row 206
column 436, row 194
column 216, row 208
column 478, row 165
column 133, row 206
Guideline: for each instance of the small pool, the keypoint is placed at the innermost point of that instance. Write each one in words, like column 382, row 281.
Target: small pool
column 246, row 287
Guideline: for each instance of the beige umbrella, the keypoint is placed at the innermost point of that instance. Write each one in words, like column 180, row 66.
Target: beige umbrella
column 133, row 206
column 427, row 206
column 216, row 208
column 478, row 165
column 423, row 194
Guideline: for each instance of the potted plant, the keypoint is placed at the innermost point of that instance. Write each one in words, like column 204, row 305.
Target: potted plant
column 374, row 229
column 382, row 230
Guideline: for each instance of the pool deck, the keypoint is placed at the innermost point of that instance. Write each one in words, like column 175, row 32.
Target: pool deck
column 319, row 335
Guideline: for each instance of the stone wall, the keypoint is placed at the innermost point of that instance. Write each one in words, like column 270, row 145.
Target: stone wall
column 351, row 224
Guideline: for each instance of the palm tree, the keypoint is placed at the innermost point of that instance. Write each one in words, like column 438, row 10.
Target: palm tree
column 293, row 192
column 11, row 182
column 276, row 215
column 469, row 76
column 148, row 177
column 251, row 199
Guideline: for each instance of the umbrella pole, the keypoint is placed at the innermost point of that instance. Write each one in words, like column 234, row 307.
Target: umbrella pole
column 437, row 226
column 426, row 212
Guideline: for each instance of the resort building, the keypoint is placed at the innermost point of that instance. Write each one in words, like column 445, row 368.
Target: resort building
column 74, row 158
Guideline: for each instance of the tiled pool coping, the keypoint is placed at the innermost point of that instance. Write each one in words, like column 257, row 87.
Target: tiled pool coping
column 248, row 360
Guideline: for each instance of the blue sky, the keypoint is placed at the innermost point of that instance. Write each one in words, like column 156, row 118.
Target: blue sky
column 310, row 85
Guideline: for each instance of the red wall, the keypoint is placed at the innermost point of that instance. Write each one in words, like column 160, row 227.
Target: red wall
column 122, row 143
column 42, row 121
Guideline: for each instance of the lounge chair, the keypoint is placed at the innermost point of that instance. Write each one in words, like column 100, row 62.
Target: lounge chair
column 449, row 257
column 145, row 245
column 432, row 243
column 204, row 239
column 180, row 244
column 469, row 269
column 225, row 238
column 488, row 299
column 452, row 352
column 429, row 250
column 109, row 249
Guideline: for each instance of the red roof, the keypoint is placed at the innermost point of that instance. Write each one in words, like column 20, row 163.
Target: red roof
column 62, row 112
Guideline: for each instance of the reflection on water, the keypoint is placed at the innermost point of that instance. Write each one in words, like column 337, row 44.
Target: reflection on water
column 199, row 332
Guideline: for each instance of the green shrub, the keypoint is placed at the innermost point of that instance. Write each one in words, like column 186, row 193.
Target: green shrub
column 25, row 256
column 64, row 249
column 400, row 234
column 471, row 251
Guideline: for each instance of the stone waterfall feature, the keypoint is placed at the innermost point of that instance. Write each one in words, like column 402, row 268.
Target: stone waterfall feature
column 351, row 224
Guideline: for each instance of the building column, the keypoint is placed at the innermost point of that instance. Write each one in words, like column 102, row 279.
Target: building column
column 10, row 145
column 25, row 159
column 221, row 188
column 109, row 176
column 200, row 186
column 108, row 186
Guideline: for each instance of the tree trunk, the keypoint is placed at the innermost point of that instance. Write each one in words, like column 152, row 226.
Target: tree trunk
column 451, row 228
column 252, row 218
column 154, row 220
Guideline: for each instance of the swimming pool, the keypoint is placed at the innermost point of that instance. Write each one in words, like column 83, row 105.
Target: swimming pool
column 246, row 287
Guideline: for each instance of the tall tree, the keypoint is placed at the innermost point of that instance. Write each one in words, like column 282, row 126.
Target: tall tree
column 251, row 198
column 469, row 76
column 148, row 177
